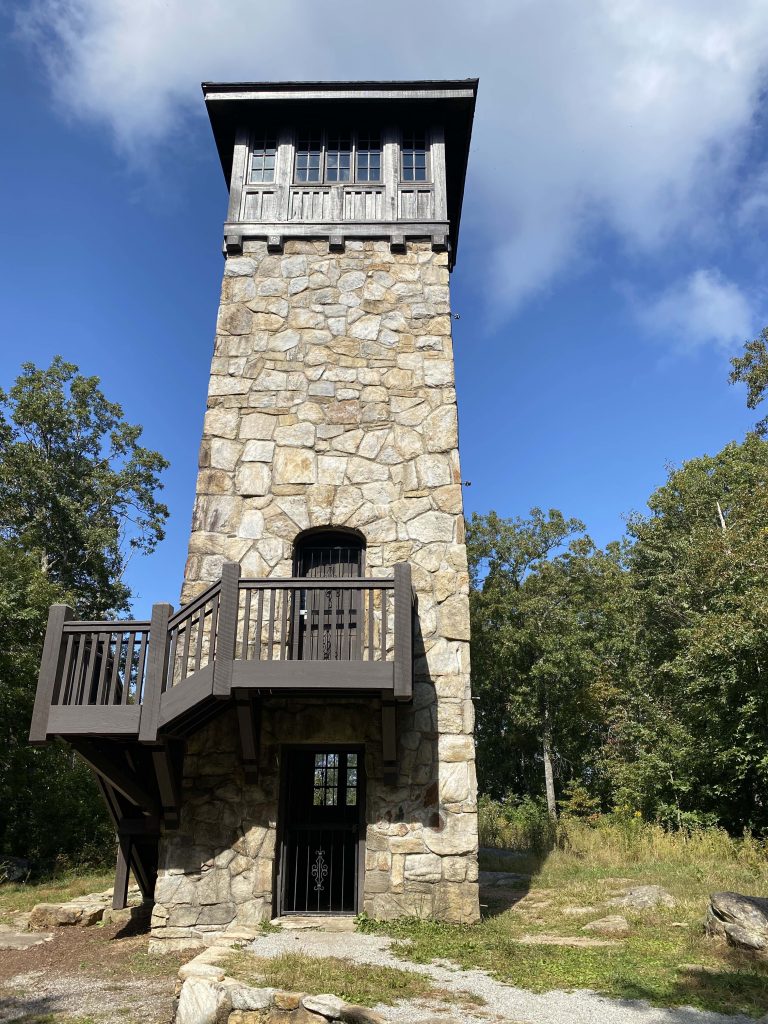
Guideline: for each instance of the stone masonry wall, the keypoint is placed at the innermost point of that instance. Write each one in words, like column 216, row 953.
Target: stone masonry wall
column 332, row 403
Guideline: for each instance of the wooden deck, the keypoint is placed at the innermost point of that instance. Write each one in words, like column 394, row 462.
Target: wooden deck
column 126, row 694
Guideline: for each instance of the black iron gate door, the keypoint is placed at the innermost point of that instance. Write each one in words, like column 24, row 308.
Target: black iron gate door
column 322, row 831
column 330, row 617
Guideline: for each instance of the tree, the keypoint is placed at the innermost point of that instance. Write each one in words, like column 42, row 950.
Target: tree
column 540, row 619
column 699, row 567
column 77, row 497
column 76, row 488
column 751, row 369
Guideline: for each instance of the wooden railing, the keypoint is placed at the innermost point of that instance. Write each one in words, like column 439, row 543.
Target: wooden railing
column 103, row 663
column 316, row 620
column 115, row 678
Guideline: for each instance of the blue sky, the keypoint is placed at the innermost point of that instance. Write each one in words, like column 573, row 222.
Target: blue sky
column 613, row 246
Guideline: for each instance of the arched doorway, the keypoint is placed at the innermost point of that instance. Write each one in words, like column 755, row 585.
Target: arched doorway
column 321, row 553
column 330, row 616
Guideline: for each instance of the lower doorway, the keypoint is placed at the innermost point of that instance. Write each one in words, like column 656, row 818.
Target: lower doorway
column 323, row 831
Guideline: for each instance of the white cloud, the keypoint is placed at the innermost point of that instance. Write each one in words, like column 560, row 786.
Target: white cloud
column 704, row 308
column 627, row 114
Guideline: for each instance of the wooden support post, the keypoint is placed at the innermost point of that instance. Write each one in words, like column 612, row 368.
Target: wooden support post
column 226, row 629
column 249, row 722
column 403, row 632
column 50, row 667
column 156, row 668
column 166, row 760
column 389, row 741
column 122, row 873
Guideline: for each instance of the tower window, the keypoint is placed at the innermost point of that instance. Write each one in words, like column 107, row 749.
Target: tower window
column 263, row 156
column 338, row 158
column 368, row 158
column 414, row 157
column 309, row 158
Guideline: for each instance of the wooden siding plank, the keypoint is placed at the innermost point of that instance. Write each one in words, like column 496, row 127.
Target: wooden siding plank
column 239, row 168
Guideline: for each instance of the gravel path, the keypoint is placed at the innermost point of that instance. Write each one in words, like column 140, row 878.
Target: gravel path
column 503, row 1002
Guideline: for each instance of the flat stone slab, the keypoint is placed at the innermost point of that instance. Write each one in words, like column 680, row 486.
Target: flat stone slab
column 644, row 897
column 23, row 940
column 315, row 924
column 577, row 941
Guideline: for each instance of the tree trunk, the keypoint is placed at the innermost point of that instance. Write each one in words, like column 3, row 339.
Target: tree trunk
column 549, row 780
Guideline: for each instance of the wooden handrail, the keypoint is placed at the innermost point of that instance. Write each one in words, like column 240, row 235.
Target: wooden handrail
column 107, row 626
column 194, row 605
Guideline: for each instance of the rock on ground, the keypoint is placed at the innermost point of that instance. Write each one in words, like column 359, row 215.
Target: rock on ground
column 644, row 897
column 741, row 920
column 614, row 925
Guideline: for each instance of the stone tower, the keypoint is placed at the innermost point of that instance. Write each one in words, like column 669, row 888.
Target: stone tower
column 329, row 477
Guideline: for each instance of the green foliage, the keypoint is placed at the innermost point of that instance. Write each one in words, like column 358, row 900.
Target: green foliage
column 639, row 671
column 751, row 369
column 547, row 645
column 76, row 488
column 523, row 825
column 76, row 498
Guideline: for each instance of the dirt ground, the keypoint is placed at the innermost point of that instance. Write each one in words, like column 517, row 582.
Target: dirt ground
column 93, row 975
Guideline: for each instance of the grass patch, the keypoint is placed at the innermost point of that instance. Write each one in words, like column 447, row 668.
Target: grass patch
column 666, row 959
column 363, row 984
column 22, row 896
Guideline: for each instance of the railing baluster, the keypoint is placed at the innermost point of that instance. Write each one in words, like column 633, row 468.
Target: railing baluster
column 370, row 624
column 200, row 631
column 185, row 654
column 90, row 671
column 259, row 622
column 271, row 636
column 246, row 625
column 383, row 631
column 113, row 692
column 140, row 662
column 101, row 683
column 284, row 627
column 128, row 667
column 67, row 676
column 171, row 677
column 213, row 627
column 77, row 682
column 296, row 604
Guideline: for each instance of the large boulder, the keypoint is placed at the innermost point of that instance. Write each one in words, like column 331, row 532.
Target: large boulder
column 741, row 920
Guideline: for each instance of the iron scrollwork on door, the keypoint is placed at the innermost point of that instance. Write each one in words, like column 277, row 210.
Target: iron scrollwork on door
column 320, row 870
